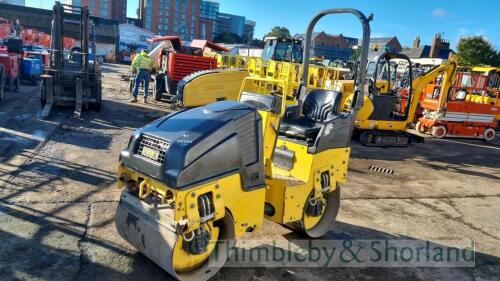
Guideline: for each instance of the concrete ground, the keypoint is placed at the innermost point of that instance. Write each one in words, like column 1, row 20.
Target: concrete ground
column 58, row 198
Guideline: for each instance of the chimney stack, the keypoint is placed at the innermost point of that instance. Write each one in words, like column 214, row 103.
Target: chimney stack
column 436, row 46
column 416, row 42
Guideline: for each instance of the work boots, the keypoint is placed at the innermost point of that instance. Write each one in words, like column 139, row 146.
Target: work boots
column 134, row 99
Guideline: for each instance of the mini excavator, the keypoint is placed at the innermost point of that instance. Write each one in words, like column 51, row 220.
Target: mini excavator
column 214, row 173
column 394, row 94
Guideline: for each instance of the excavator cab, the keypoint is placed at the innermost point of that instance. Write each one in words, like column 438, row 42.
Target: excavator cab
column 391, row 98
column 282, row 49
column 197, row 179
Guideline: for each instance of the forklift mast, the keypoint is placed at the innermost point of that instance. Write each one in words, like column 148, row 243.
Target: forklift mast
column 57, row 35
column 72, row 80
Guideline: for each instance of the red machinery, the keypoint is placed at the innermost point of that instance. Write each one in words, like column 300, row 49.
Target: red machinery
column 5, row 28
column 467, row 110
column 10, row 64
column 177, row 61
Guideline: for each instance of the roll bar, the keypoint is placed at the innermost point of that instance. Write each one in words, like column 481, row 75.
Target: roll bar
column 365, row 40
column 387, row 57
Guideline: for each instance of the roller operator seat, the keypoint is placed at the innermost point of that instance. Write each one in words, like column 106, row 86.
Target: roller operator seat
column 318, row 106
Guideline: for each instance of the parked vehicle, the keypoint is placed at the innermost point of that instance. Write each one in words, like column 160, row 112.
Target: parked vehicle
column 31, row 70
column 177, row 61
column 70, row 79
column 11, row 68
column 394, row 95
column 467, row 111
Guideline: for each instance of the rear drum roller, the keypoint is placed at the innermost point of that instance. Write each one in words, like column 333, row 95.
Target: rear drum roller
column 320, row 213
column 191, row 256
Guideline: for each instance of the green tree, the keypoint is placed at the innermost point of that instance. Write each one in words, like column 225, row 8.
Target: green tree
column 257, row 43
column 279, row 31
column 355, row 54
column 477, row 51
column 228, row 38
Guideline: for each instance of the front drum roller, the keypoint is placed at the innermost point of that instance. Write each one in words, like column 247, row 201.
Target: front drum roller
column 151, row 232
column 314, row 224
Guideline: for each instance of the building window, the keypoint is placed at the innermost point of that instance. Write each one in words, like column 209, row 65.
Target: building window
column 92, row 6
column 149, row 11
column 104, row 6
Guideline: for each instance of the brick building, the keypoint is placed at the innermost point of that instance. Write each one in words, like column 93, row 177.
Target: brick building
column 385, row 44
column 440, row 48
column 172, row 17
column 330, row 46
column 106, row 30
column 109, row 9
column 380, row 45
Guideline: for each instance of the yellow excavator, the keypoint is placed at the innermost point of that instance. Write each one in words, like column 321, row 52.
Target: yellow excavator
column 213, row 173
column 394, row 95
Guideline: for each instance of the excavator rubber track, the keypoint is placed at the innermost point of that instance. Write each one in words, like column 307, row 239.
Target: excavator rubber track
column 388, row 138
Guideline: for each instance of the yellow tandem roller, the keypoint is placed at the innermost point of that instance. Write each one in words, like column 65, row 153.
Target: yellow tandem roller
column 197, row 179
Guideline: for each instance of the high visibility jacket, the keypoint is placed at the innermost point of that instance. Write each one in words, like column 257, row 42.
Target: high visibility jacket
column 142, row 61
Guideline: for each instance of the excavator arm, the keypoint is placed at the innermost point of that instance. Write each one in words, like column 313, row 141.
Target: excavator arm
column 449, row 69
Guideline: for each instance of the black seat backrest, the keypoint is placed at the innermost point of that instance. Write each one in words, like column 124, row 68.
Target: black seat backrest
column 319, row 103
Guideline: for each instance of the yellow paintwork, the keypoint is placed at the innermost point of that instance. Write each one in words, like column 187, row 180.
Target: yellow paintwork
column 289, row 197
column 227, row 194
column 287, row 191
column 485, row 69
column 448, row 69
column 184, row 261
column 224, row 85
column 225, row 60
column 212, row 87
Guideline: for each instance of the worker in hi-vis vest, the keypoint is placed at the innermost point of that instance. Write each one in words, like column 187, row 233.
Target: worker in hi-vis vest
column 142, row 67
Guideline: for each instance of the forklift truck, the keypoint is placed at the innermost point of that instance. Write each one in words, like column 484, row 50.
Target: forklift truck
column 72, row 79
column 213, row 173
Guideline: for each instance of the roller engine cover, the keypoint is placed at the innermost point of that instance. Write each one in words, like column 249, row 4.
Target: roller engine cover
column 199, row 145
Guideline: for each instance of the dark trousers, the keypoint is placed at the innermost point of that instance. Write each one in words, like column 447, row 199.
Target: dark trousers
column 143, row 75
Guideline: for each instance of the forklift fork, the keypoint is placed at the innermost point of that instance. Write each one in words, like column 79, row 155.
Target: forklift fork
column 49, row 92
column 78, row 100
